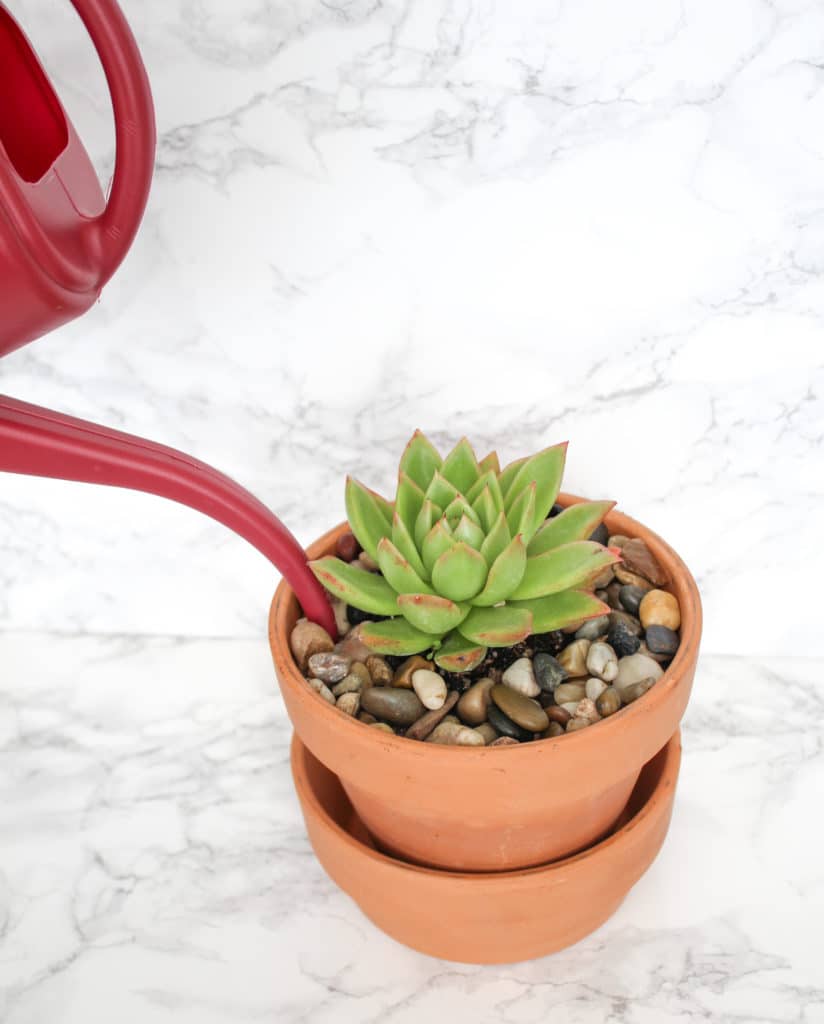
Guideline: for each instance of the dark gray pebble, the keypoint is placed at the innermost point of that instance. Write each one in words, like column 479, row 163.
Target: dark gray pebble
column 622, row 640
column 632, row 624
column 661, row 640
column 556, row 510
column 548, row 671
column 600, row 534
column 630, row 597
column 504, row 724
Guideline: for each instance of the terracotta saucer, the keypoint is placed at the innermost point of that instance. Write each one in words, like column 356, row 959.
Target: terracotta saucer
column 494, row 917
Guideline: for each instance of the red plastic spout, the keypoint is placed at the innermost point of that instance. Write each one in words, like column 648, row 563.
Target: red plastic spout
column 40, row 442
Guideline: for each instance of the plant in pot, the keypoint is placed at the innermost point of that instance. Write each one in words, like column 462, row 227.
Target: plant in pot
column 511, row 659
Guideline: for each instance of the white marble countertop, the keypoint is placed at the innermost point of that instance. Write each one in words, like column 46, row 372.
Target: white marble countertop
column 154, row 864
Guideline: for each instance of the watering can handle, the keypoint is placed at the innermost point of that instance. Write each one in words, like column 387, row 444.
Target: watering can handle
column 39, row 442
column 131, row 97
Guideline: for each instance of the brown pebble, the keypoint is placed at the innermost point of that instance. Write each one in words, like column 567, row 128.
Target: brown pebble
column 489, row 733
column 401, row 707
column 604, row 579
column 357, row 668
column 638, row 558
column 368, row 562
column 577, row 723
column 379, row 671
column 574, row 659
column 455, row 734
column 554, row 729
column 505, row 741
column 559, row 715
column 632, row 693
column 659, row 608
column 366, row 718
column 322, row 690
column 612, row 592
column 423, row 727
column 628, row 578
column 383, row 727
column 522, row 710
column 631, row 622
column 352, row 647
column 349, row 684
column 609, row 702
column 474, row 704
column 403, row 673
column 349, row 703
column 617, row 540
column 566, row 692
column 329, row 666
column 346, row 547
column 586, row 709
column 308, row 638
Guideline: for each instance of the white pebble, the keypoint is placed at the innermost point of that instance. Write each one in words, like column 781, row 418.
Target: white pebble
column 520, row 676
column 602, row 661
column 635, row 667
column 322, row 689
column 430, row 688
column 595, row 687
column 570, row 706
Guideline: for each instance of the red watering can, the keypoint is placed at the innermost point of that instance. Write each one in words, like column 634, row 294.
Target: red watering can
column 60, row 242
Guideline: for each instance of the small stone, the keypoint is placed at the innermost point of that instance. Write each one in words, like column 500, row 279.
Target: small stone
column 622, row 640
column 403, row 673
column 608, row 703
column 638, row 558
column 550, row 643
column 308, row 638
column 569, row 706
column 349, row 703
column 504, row 725
column 366, row 718
column 368, row 562
column 570, row 692
column 558, row 714
column 604, row 578
column 504, row 741
column 401, row 707
column 577, row 723
column 339, row 610
column 573, row 659
column 473, row 705
column 612, row 594
column 662, row 659
column 346, row 547
column 455, row 734
column 489, row 734
column 627, row 578
column 617, row 540
column 322, row 689
column 594, row 688
column 631, row 597
column 379, row 672
column 357, row 668
column 602, row 661
column 633, row 669
column 329, row 666
column 383, row 727
column 586, row 709
column 660, row 608
column 554, row 729
column 522, row 710
column 349, row 684
column 632, row 693
column 593, row 629
column 548, row 671
column 430, row 688
column 631, row 623
column 661, row 640
column 600, row 534
column 520, row 677
column 352, row 646
column 423, row 727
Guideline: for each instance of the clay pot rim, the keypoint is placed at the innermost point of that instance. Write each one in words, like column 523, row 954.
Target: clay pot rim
column 643, row 819
column 691, row 621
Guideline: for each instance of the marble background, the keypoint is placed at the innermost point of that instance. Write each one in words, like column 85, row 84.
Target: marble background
column 525, row 222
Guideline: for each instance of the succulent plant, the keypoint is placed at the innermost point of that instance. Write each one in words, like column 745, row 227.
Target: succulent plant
column 468, row 558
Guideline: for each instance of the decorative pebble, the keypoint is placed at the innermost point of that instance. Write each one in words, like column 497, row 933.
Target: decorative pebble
column 341, row 621
column 366, row 718
column 628, row 578
column 379, row 672
column 346, row 547
column 558, row 714
column 602, row 661
column 430, row 688
column 632, row 693
column 473, row 705
column 569, row 706
column 423, row 727
column 401, row 707
column 403, row 673
column 503, row 724
column 631, row 622
column 383, row 727
column 617, row 540
column 308, row 638
column 659, row 608
column 611, row 594
column 600, row 534
column 662, row 659
column 586, row 709
column 593, row 629
column 349, row 703
column 608, row 703
column 622, row 640
column 504, row 741
column 577, row 723
column 368, row 562
column 520, row 677
column 604, row 578
column 548, row 671
column 522, row 710
column 631, row 597
column 329, row 666
column 638, row 558
column 349, row 684
column 352, row 646
column 554, row 729
column 633, row 669
column 489, row 734
column 661, row 640
column 322, row 689
column 455, row 734
column 594, row 688
column 357, row 668
column 574, row 658
column 566, row 692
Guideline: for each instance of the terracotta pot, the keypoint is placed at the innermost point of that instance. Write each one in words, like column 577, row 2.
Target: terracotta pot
column 500, row 917
column 488, row 809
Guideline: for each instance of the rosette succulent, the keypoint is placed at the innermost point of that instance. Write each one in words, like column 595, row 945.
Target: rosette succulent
column 468, row 558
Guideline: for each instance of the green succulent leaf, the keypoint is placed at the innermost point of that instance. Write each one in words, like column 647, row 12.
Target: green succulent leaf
column 497, row 627
column 457, row 654
column 484, row 506
column 489, row 463
column 395, row 636
column 545, row 470
column 469, row 532
column 365, row 511
column 436, row 542
column 508, row 474
column 440, row 491
column 408, row 500
column 489, row 480
column 505, row 574
column 563, row 609
column 458, row 508
column 575, row 523
column 365, row 590
column 521, row 516
column 459, row 573
column 420, row 460
column 405, row 543
column 460, row 467
column 571, row 565
column 496, row 539
column 430, row 613
column 429, row 514
column 397, row 571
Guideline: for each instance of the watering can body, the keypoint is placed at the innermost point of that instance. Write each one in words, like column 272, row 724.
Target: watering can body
column 60, row 241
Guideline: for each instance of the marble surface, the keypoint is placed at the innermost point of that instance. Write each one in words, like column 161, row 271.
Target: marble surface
column 154, row 865
column 524, row 222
